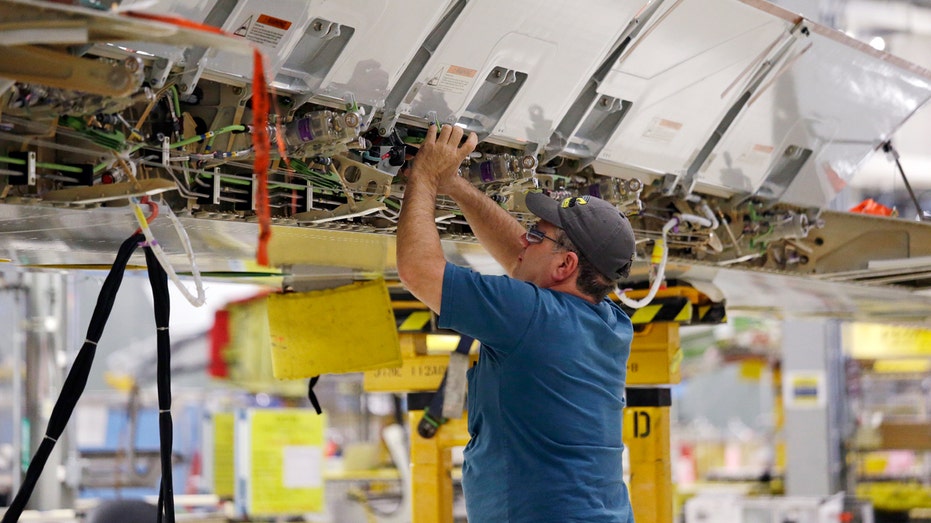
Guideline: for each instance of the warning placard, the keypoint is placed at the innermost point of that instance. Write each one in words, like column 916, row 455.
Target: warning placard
column 453, row 79
column 756, row 154
column 263, row 29
column 662, row 130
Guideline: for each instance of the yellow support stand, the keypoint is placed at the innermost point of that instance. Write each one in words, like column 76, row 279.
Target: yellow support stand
column 431, row 470
column 646, row 435
column 655, row 355
column 654, row 360
column 431, row 458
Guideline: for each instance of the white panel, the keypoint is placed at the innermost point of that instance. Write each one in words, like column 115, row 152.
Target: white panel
column 829, row 93
column 558, row 44
column 273, row 27
column 682, row 75
column 841, row 99
column 387, row 34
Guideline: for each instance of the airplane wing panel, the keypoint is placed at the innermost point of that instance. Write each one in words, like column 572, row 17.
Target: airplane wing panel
column 385, row 37
column 682, row 76
column 314, row 48
column 515, row 82
column 805, row 131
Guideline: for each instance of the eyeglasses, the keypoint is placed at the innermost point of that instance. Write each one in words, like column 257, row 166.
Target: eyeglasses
column 535, row 235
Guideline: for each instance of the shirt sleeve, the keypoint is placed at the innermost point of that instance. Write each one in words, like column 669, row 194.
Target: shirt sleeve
column 496, row 310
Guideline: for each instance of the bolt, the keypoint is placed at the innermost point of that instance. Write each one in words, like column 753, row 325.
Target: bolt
column 132, row 64
column 352, row 119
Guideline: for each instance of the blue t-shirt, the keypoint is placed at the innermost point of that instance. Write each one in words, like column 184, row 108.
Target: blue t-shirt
column 545, row 401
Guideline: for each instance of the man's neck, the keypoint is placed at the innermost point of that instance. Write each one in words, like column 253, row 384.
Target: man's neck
column 569, row 287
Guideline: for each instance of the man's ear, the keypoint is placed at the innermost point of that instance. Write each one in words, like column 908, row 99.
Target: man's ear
column 568, row 265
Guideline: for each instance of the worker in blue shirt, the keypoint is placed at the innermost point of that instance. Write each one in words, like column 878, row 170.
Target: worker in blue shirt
column 546, row 398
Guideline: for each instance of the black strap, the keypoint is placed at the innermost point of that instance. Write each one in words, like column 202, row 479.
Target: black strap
column 433, row 414
column 465, row 344
column 76, row 380
column 161, row 300
column 312, row 396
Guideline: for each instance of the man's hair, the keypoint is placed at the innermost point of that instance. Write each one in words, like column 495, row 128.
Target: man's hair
column 589, row 281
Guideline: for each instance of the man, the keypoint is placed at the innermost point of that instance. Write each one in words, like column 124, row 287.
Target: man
column 546, row 397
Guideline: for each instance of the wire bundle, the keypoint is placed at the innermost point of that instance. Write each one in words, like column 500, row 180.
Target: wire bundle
column 76, row 381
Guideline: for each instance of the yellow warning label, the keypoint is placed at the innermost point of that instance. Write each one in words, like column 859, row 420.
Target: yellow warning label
column 282, row 466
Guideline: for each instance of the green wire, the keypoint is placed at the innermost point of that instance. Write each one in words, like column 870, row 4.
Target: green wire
column 325, row 179
column 43, row 165
column 208, row 134
column 174, row 96
column 237, row 181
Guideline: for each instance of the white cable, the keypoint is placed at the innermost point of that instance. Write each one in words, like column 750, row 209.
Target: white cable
column 189, row 251
column 660, row 273
column 703, row 206
column 163, row 259
column 694, row 218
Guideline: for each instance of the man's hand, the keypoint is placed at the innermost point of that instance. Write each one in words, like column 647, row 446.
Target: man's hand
column 441, row 155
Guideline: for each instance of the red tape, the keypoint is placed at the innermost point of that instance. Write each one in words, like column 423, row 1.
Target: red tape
column 262, row 147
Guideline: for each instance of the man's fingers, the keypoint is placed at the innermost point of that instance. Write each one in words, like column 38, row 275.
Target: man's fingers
column 469, row 145
column 431, row 135
column 444, row 134
column 455, row 135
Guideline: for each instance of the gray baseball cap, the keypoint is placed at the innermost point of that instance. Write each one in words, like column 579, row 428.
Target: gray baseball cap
column 601, row 232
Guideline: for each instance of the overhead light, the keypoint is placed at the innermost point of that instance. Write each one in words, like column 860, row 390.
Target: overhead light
column 878, row 43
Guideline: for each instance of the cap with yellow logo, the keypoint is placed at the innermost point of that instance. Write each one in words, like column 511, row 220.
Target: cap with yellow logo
column 602, row 233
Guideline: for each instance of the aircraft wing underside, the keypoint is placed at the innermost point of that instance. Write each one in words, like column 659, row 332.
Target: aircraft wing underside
column 726, row 127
